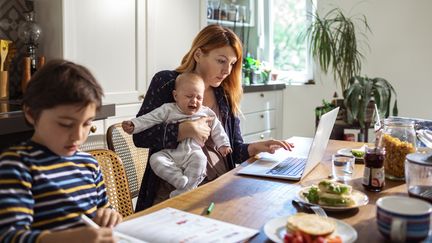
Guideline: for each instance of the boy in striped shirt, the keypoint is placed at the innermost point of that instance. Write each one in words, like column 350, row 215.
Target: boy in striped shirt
column 46, row 183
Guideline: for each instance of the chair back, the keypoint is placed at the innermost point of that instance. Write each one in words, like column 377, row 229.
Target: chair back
column 116, row 184
column 134, row 158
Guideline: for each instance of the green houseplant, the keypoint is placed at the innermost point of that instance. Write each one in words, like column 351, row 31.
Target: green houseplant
column 334, row 43
column 361, row 95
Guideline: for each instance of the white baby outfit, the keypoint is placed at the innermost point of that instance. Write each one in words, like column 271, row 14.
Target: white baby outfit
column 183, row 167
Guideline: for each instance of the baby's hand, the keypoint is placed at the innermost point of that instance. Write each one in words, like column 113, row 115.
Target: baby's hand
column 128, row 127
column 225, row 150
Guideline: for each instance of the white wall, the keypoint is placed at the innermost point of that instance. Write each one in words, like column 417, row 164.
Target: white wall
column 400, row 51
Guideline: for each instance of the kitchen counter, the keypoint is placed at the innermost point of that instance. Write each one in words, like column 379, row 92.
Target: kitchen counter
column 263, row 87
column 13, row 127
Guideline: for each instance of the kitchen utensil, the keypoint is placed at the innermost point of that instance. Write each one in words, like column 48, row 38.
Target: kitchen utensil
column 4, row 46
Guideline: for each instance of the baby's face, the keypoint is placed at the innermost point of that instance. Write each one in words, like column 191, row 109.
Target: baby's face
column 189, row 97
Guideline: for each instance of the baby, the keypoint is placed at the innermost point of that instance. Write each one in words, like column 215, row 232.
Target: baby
column 183, row 167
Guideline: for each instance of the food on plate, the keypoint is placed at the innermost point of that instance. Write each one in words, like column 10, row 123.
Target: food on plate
column 311, row 224
column 302, row 227
column 330, row 193
column 358, row 153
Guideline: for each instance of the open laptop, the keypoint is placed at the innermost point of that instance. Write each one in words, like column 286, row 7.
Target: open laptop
column 295, row 164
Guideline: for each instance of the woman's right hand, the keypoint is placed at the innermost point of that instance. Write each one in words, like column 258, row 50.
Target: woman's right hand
column 199, row 130
column 81, row 234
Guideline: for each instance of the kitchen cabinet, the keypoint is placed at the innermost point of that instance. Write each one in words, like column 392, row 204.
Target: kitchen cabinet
column 262, row 115
column 123, row 42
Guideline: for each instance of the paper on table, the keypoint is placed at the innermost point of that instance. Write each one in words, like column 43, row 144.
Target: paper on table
column 172, row 225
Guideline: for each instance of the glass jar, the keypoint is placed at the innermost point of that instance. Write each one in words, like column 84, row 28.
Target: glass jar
column 418, row 174
column 399, row 139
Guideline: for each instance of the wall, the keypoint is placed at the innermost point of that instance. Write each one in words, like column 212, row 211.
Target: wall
column 400, row 51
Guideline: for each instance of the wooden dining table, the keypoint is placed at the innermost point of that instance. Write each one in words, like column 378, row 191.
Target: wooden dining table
column 253, row 201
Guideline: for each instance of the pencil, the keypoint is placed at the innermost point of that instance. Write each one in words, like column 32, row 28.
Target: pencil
column 89, row 222
column 210, row 207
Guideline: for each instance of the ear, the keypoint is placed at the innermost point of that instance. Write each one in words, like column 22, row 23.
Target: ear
column 198, row 53
column 174, row 95
column 28, row 115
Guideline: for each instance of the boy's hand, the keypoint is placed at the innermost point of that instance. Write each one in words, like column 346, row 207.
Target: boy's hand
column 107, row 217
column 128, row 127
column 225, row 150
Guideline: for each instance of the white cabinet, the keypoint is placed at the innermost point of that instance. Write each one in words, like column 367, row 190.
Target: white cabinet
column 123, row 42
column 262, row 115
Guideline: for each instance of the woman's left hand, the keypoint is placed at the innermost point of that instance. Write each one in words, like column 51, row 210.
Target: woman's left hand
column 107, row 217
column 269, row 146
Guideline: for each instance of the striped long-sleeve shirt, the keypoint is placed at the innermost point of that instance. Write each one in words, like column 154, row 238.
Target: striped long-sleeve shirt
column 40, row 190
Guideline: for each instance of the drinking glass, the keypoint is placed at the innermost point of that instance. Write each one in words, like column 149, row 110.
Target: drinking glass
column 342, row 167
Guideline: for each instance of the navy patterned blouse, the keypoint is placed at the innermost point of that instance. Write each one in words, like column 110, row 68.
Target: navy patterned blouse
column 164, row 136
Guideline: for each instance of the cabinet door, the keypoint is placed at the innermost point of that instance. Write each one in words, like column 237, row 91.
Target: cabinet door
column 108, row 37
column 258, row 121
column 258, row 101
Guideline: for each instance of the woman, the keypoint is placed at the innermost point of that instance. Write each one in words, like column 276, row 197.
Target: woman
column 216, row 55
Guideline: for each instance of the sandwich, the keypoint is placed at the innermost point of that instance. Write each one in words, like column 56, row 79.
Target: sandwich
column 330, row 193
column 302, row 227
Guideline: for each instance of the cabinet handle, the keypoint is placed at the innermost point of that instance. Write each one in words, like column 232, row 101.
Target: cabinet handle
column 262, row 115
column 141, row 97
column 93, row 129
column 262, row 136
column 262, row 94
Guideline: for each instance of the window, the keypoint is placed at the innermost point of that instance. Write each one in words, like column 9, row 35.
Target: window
column 279, row 24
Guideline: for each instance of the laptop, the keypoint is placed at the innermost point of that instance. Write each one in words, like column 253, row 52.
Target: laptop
column 295, row 164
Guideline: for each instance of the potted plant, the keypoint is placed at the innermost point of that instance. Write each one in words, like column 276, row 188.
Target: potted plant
column 334, row 44
column 250, row 70
column 361, row 95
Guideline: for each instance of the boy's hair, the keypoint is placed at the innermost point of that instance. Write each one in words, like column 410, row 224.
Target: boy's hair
column 60, row 82
column 187, row 77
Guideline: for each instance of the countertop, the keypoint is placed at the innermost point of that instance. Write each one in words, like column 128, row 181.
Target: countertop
column 12, row 118
column 272, row 86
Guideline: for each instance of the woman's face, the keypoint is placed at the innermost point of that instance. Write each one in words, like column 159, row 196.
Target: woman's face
column 216, row 65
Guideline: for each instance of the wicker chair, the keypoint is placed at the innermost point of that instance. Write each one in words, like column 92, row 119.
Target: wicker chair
column 117, row 187
column 134, row 159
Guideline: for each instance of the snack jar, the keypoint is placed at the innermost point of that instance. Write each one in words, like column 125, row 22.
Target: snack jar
column 399, row 139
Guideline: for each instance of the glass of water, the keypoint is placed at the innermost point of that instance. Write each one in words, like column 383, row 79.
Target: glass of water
column 342, row 167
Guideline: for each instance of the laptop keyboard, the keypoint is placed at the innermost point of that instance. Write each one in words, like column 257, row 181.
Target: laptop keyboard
column 291, row 166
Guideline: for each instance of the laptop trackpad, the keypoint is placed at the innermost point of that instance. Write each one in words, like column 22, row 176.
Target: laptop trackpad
column 258, row 167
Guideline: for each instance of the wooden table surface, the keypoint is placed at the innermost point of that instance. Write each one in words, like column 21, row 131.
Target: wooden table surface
column 252, row 201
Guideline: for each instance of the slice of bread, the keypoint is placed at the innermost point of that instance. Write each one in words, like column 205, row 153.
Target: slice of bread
column 311, row 224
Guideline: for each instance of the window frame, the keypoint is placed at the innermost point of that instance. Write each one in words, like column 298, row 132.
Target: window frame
column 265, row 43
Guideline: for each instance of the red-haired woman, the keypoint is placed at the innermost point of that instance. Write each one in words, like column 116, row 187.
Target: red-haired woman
column 216, row 55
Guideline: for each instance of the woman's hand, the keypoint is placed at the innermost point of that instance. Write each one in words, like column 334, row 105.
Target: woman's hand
column 81, row 234
column 199, row 130
column 269, row 146
column 107, row 217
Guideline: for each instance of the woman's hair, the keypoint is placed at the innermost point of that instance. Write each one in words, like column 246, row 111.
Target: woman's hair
column 214, row 37
column 61, row 82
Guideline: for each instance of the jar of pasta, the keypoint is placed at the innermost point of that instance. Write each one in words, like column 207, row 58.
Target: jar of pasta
column 399, row 139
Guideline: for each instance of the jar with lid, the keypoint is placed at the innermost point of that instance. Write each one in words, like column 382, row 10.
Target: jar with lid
column 418, row 174
column 399, row 139
column 373, row 174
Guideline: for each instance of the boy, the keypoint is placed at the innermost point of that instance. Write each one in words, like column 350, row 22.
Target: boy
column 46, row 183
column 183, row 167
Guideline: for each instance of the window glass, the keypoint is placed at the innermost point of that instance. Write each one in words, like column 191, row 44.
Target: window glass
column 286, row 19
